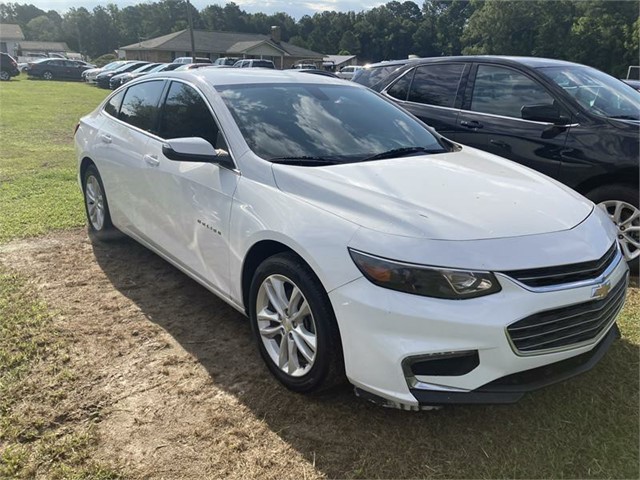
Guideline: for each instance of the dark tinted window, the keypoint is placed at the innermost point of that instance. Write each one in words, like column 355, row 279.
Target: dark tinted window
column 185, row 114
column 262, row 63
column 436, row 84
column 502, row 91
column 55, row 63
column 140, row 105
column 112, row 107
column 400, row 89
column 372, row 76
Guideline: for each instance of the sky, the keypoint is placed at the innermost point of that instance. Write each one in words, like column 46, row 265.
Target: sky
column 294, row 8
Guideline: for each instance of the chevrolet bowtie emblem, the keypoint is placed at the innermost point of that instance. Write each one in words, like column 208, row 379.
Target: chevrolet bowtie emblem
column 601, row 291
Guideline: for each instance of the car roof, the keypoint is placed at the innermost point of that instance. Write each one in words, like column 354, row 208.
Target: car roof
column 533, row 62
column 244, row 76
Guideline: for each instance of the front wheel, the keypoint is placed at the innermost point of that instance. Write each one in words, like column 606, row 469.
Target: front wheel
column 621, row 204
column 96, row 206
column 294, row 325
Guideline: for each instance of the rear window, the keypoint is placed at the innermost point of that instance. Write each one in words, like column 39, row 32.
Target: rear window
column 374, row 75
column 263, row 63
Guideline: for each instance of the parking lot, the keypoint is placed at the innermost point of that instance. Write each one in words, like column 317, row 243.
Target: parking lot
column 164, row 380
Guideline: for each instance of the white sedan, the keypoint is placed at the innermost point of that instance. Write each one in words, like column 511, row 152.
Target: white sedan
column 360, row 243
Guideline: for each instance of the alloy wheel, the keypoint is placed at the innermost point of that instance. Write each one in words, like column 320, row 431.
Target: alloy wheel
column 286, row 325
column 4, row 76
column 627, row 219
column 47, row 76
column 94, row 199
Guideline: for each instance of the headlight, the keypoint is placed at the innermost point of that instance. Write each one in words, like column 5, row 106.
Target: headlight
column 426, row 281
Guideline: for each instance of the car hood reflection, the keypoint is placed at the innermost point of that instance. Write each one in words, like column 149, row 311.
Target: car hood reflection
column 467, row 195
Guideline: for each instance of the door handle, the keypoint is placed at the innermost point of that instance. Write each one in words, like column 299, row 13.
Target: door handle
column 105, row 138
column 471, row 124
column 499, row 144
column 151, row 160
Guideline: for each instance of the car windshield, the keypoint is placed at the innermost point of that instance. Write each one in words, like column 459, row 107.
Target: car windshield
column 336, row 123
column 113, row 65
column 596, row 91
column 158, row 68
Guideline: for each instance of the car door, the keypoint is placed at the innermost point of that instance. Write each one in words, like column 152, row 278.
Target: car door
column 491, row 118
column 191, row 200
column 430, row 92
column 123, row 139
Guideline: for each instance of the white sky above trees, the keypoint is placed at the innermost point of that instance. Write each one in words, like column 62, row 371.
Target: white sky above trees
column 295, row 8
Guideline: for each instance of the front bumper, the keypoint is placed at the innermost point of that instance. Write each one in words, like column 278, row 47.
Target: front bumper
column 381, row 329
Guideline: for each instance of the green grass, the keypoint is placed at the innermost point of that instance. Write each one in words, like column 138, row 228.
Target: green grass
column 38, row 193
column 38, row 188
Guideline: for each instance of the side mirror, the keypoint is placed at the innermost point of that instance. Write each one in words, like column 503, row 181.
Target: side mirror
column 541, row 113
column 195, row 149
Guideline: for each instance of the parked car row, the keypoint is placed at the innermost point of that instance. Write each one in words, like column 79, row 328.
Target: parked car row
column 568, row 121
column 57, row 69
column 361, row 243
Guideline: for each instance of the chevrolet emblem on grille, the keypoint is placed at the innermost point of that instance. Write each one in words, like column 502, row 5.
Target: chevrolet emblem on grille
column 601, row 291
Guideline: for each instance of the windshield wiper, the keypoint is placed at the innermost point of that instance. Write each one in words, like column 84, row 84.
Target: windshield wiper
column 304, row 160
column 624, row 117
column 401, row 152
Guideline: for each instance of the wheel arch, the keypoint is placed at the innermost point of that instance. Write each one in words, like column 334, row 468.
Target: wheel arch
column 84, row 164
column 257, row 254
column 627, row 176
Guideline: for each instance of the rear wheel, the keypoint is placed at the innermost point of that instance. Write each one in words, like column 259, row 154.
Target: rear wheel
column 294, row 325
column 47, row 75
column 4, row 76
column 96, row 206
column 621, row 204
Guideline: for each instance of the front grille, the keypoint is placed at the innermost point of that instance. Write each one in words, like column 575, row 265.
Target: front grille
column 567, row 326
column 557, row 275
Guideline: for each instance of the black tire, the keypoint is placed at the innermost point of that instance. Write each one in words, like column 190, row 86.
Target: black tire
column 47, row 75
column 327, row 370
column 104, row 231
column 624, row 193
column 5, row 76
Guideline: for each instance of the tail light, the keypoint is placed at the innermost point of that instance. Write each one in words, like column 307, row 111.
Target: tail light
column 75, row 130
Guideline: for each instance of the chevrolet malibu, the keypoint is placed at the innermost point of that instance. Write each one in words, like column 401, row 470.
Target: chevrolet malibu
column 359, row 242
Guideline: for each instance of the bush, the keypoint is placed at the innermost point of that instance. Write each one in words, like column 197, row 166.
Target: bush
column 104, row 59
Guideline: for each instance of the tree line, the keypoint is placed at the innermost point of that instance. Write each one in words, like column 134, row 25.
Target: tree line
column 601, row 33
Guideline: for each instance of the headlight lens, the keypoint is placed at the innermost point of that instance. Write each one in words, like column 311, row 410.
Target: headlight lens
column 426, row 281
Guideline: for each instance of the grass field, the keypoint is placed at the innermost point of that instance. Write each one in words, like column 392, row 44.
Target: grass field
column 38, row 191
column 55, row 423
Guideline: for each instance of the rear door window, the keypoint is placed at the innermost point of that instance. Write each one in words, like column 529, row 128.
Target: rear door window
column 112, row 107
column 503, row 91
column 436, row 84
column 400, row 89
column 140, row 105
column 185, row 114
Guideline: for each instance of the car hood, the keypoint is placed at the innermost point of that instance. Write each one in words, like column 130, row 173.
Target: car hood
column 465, row 195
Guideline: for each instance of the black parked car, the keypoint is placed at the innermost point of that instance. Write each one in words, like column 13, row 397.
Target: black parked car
column 104, row 78
column 569, row 121
column 57, row 68
column 8, row 67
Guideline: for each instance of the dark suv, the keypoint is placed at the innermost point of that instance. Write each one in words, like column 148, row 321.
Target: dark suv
column 569, row 121
column 8, row 67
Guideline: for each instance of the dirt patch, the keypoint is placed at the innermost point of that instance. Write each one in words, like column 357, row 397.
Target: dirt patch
column 179, row 389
